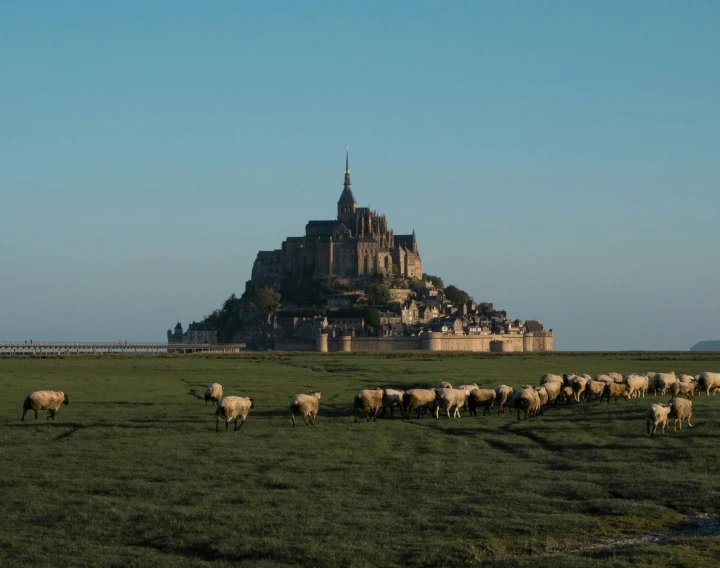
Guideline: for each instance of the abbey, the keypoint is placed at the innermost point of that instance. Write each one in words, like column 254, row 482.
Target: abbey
column 357, row 244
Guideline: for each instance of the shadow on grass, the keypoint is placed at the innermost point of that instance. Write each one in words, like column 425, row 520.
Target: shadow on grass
column 193, row 392
column 122, row 402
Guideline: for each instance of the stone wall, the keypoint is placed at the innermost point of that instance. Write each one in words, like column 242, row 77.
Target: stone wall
column 508, row 343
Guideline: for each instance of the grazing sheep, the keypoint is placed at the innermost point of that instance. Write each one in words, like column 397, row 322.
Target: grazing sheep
column 526, row 400
column 605, row 379
column 44, row 400
column 688, row 389
column 680, row 409
column 566, row 394
column 656, row 415
column 483, row 398
column 662, row 382
column 614, row 390
column 503, row 393
column 444, row 385
column 578, row 385
column 369, row 401
column 418, row 399
column 551, row 379
column 213, row 393
column 307, row 405
column 391, row 399
column 617, row 377
column 708, row 382
column 687, row 379
column 450, row 399
column 553, row 389
column 594, row 387
column 231, row 408
column 638, row 385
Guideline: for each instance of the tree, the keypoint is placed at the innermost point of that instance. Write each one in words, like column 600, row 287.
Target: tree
column 378, row 293
column 372, row 317
column 457, row 296
column 268, row 298
column 436, row 281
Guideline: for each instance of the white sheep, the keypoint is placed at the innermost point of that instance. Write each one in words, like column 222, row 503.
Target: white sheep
column 616, row 377
column 680, row 409
column 688, row 389
column 662, row 381
column 369, row 401
column 578, row 385
column 392, row 398
column 638, row 385
column 213, row 393
column 593, row 387
column 656, row 415
column 483, row 398
column 307, row 405
column 709, row 382
column 44, row 400
column 450, row 399
column 231, row 408
column 418, row 400
column 549, row 378
column 504, row 393
column 553, row 389
column 444, row 385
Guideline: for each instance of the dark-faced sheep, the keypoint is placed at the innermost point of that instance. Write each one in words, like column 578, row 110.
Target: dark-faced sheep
column 213, row 393
column 307, row 405
column 44, row 400
column 231, row 408
column 368, row 401
column 680, row 409
column 481, row 398
column 417, row 400
column 614, row 390
column 657, row 415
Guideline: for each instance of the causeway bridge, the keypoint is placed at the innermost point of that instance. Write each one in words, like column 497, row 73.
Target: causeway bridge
column 98, row 348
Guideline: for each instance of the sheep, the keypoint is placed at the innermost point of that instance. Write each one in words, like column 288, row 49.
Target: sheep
column 444, row 385
column 213, row 393
column 594, row 387
column 680, row 409
column 638, row 385
column 656, row 415
column 605, row 379
column 662, row 382
column 617, row 377
column 44, row 400
column 450, row 399
column 526, row 400
column 417, row 399
column 481, row 397
column 542, row 396
column 469, row 388
column 578, row 385
column 687, row 379
column 231, row 408
column 614, row 390
column 391, row 399
column 553, row 389
column 566, row 394
column 688, row 389
column 369, row 401
column 548, row 378
column 307, row 404
column 709, row 382
column 503, row 393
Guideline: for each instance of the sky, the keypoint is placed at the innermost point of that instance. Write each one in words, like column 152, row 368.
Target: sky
column 559, row 159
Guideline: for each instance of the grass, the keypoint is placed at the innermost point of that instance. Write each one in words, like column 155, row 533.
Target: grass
column 132, row 473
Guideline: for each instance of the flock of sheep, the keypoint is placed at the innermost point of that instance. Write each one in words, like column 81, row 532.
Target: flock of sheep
column 528, row 399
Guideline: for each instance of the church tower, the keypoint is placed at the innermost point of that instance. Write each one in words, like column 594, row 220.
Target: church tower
column 346, row 204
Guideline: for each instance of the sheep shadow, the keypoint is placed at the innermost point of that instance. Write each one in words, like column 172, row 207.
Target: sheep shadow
column 193, row 392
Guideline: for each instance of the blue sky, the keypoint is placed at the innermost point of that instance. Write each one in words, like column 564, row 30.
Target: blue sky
column 556, row 158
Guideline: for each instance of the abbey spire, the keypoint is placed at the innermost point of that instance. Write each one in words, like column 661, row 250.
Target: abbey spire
column 346, row 203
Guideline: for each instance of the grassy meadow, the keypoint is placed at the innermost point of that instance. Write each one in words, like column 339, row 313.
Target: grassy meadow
column 132, row 473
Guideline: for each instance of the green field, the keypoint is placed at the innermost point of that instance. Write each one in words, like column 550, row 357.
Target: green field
column 132, row 473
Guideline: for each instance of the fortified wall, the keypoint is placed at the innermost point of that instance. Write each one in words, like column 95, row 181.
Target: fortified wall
column 529, row 342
